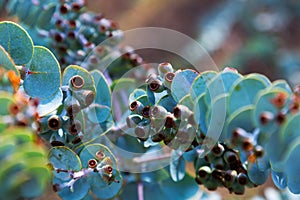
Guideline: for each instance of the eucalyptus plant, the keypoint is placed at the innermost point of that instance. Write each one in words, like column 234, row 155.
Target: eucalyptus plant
column 236, row 129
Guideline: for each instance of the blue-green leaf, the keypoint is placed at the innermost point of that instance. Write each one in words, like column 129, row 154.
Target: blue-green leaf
column 43, row 78
column 47, row 106
column 220, row 84
column 6, row 62
column 103, row 96
column 64, row 158
column 46, row 15
column 16, row 41
column 182, row 82
column 200, row 83
column 243, row 93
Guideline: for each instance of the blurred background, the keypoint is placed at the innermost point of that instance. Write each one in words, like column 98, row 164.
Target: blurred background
column 254, row 36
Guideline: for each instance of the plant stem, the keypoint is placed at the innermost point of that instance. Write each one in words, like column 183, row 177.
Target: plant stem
column 140, row 191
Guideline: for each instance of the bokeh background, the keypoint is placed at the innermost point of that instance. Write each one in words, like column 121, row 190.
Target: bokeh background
column 252, row 35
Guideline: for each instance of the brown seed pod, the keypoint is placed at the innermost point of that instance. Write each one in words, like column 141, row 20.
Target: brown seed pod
column 169, row 122
column 156, row 86
column 54, row 122
column 280, row 118
column 100, row 154
column 77, row 81
column 14, row 109
column 242, row 179
column 64, row 8
column 107, row 169
column 92, row 163
column 247, row 145
column 258, row 151
column 266, row 117
column 230, row 157
column 75, row 127
column 218, row 150
column 279, row 100
column 169, row 76
column 146, row 111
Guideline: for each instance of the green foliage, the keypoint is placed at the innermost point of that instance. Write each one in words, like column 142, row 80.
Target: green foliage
column 23, row 173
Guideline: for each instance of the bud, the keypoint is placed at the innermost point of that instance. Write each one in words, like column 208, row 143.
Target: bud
column 77, row 82
column 84, row 97
column 136, row 107
column 72, row 105
column 164, row 68
column 54, row 122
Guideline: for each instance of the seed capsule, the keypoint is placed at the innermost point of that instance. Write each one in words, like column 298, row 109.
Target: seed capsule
column 75, row 128
column 247, row 145
column 136, row 107
column 219, row 163
column 146, row 112
column 230, row 157
column 133, row 120
column 72, row 105
column 182, row 112
column 280, row 118
column 100, row 154
column 169, row 122
column 218, row 150
column 259, row 151
column 54, row 122
column 142, row 132
column 242, row 179
column 168, row 79
column 85, row 97
column 77, row 81
column 266, row 117
column 64, row 8
column 92, row 163
column 229, row 177
column 279, row 100
column 204, row 172
column 156, row 86
column 164, row 68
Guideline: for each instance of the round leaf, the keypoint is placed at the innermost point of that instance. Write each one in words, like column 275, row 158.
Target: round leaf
column 64, row 158
column 16, row 41
column 243, row 93
column 102, row 89
column 200, row 83
column 182, row 82
column 6, row 61
column 43, row 79
column 47, row 106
